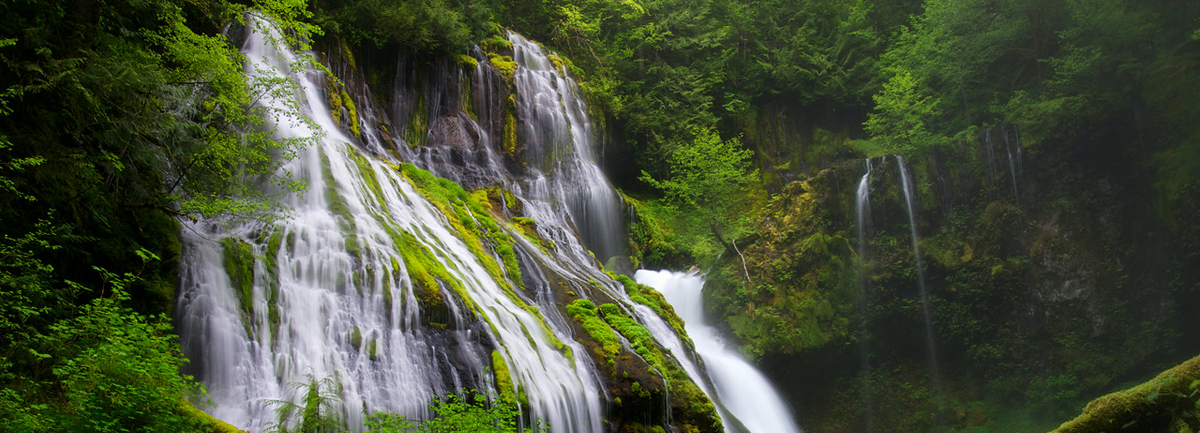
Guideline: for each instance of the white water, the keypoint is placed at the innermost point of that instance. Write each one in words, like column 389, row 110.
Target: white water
column 926, row 315
column 335, row 276
column 862, row 212
column 560, row 153
column 741, row 388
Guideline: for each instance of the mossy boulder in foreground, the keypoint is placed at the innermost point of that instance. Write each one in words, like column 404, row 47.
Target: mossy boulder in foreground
column 1167, row 403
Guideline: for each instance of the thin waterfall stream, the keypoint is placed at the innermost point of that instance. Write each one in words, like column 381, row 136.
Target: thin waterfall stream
column 926, row 315
column 862, row 212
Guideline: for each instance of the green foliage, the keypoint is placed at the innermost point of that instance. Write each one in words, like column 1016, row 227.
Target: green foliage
column 314, row 413
column 902, row 109
column 474, row 413
column 423, row 26
column 103, row 368
column 711, row 179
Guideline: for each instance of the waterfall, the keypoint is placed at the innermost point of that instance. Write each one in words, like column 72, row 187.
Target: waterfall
column 560, row 152
column 369, row 284
column 1012, row 168
column 862, row 212
column 741, row 388
column 910, row 205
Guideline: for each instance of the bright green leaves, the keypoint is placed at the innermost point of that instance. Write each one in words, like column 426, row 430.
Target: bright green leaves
column 474, row 413
column 711, row 182
column 901, row 112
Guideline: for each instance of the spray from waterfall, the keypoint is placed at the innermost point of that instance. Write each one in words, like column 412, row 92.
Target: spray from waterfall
column 930, row 342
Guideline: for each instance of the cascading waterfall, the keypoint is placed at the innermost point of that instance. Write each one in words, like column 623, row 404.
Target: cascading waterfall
column 559, row 150
column 741, row 388
column 862, row 212
column 906, row 182
column 332, row 296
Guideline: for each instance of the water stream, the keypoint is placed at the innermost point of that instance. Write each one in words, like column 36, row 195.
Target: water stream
column 926, row 315
column 741, row 388
column 862, row 212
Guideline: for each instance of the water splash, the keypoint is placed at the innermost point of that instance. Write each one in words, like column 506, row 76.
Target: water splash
column 741, row 388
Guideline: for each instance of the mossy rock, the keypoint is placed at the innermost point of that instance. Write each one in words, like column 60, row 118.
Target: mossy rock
column 238, row 259
column 1159, row 405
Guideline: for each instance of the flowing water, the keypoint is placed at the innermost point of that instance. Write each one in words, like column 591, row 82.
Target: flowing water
column 741, row 388
column 1012, row 167
column 334, row 292
column 910, row 205
column 333, row 298
column 862, row 212
column 560, row 150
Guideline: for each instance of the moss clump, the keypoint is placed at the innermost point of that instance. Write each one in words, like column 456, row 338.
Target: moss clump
column 557, row 62
column 504, row 64
column 508, row 141
column 356, row 338
column 203, row 422
column 374, row 351
column 418, row 123
column 349, row 103
column 509, row 392
column 238, row 259
column 527, row 227
column 584, row 312
column 649, row 297
column 339, row 207
column 496, row 44
column 1168, row 403
column 467, row 61
column 694, row 409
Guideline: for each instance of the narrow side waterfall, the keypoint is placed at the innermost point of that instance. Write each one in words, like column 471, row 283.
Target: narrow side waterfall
column 910, row 205
column 862, row 212
column 741, row 388
column 371, row 285
column 1012, row 167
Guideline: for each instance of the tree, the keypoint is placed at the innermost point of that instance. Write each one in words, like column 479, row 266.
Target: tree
column 902, row 110
column 710, row 181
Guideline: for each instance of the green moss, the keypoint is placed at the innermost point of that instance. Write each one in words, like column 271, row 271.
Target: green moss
column 1164, row 400
column 509, row 392
column 504, row 64
column 238, row 260
column 584, row 312
column 334, row 97
column 694, row 406
column 418, row 123
column 508, row 141
column 339, row 207
column 527, row 227
column 349, row 102
column 203, row 422
column 467, row 61
column 496, row 44
column 356, row 338
column 374, row 351
column 557, row 62
column 368, row 174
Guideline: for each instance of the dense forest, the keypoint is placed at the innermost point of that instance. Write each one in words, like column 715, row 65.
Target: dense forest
column 1030, row 241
